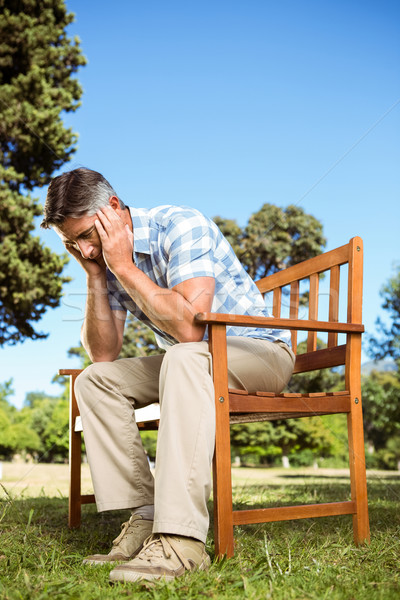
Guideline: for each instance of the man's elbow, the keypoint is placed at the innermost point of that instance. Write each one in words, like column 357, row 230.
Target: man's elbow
column 192, row 334
column 102, row 355
column 103, row 358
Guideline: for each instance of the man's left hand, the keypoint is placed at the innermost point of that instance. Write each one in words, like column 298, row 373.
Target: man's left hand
column 116, row 240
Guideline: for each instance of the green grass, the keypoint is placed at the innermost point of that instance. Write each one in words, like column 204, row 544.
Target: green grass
column 308, row 559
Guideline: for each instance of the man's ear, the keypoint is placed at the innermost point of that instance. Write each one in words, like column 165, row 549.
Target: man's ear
column 114, row 203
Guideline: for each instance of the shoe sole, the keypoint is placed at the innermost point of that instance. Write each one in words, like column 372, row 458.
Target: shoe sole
column 104, row 561
column 86, row 561
column 132, row 576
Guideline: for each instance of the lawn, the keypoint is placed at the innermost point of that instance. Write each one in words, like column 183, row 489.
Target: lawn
column 306, row 559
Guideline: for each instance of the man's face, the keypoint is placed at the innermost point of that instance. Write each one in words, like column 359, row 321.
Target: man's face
column 81, row 234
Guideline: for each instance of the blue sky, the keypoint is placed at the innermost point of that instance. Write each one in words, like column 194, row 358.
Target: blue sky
column 226, row 105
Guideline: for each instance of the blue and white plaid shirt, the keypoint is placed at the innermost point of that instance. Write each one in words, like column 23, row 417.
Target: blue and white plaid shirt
column 174, row 243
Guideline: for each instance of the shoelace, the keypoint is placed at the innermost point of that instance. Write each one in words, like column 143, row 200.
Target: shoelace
column 124, row 528
column 160, row 546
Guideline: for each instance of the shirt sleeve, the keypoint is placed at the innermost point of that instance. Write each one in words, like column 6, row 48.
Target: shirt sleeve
column 190, row 244
column 113, row 292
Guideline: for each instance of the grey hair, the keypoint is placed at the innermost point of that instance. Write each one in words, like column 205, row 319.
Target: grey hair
column 77, row 193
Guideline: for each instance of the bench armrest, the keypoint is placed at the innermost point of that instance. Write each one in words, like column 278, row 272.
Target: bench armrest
column 273, row 323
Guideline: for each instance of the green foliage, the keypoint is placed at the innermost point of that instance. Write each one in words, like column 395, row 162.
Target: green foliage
column 381, row 391
column 37, row 66
column 15, row 436
column 6, row 391
column 149, row 440
column 389, row 342
column 381, row 414
column 381, row 407
column 48, row 417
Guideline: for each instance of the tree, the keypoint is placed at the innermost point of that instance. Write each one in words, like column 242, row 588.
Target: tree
column 381, row 407
column 389, row 342
column 274, row 238
column 14, row 436
column 381, row 415
column 48, row 417
column 37, row 65
column 381, row 391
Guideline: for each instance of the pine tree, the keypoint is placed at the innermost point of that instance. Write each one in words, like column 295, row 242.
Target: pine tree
column 37, row 66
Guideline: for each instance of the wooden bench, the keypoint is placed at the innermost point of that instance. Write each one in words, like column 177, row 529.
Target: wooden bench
column 232, row 406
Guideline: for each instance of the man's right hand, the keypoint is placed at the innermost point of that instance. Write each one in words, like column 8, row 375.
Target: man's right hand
column 93, row 267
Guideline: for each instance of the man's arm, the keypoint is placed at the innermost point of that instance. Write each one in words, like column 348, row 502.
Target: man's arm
column 103, row 328
column 172, row 310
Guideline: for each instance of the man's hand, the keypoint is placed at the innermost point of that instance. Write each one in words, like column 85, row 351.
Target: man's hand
column 93, row 268
column 116, row 240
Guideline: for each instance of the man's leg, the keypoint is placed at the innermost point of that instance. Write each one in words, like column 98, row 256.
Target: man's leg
column 186, row 444
column 186, row 436
column 107, row 394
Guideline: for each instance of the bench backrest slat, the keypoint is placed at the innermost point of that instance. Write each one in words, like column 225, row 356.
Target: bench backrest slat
column 303, row 284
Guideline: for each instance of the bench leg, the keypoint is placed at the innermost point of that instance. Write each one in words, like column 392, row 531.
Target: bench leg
column 74, row 514
column 358, row 473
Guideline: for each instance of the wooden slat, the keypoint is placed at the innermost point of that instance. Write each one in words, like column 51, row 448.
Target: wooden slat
column 286, row 513
column 73, row 372
column 261, row 417
column 87, row 499
column 241, row 392
column 320, row 359
column 334, row 303
column 308, row 405
column 277, row 302
column 313, row 311
column 148, row 425
column 294, row 310
column 271, row 322
column 302, row 270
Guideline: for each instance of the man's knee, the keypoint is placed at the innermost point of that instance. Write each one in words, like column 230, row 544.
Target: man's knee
column 185, row 352
column 87, row 380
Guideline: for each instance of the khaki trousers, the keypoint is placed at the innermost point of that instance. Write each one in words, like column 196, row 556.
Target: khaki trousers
column 181, row 380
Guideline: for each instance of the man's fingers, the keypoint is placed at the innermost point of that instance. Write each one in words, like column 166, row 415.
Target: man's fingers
column 100, row 229
column 129, row 233
column 109, row 220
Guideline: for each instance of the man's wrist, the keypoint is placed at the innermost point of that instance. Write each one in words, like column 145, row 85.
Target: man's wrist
column 125, row 273
column 98, row 282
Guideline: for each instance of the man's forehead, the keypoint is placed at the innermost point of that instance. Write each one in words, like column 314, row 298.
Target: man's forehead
column 73, row 228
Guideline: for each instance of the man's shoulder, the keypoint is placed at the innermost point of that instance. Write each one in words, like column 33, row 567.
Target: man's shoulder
column 171, row 219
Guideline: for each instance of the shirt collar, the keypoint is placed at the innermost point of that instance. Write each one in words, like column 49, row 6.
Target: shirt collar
column 141, row 230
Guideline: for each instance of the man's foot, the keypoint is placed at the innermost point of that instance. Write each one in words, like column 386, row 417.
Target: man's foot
column 163, row 556
column 127, row 544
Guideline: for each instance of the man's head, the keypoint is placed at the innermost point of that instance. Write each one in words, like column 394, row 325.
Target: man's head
column 73, row 200
column 78, row 193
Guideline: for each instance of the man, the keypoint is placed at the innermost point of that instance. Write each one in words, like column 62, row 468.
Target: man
column 164, row 265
